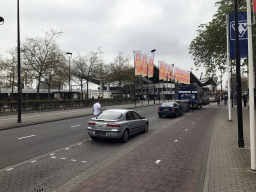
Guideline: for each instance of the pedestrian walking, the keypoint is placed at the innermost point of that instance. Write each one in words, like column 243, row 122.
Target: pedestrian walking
column 245, row 99
column 96, row 108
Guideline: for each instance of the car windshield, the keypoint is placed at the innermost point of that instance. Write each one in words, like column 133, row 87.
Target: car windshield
column 167, row 105
column 110, row 115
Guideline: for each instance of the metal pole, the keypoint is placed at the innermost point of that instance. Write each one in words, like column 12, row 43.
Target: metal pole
column 238, row 80
column 191, row 91
column 134, row 80
column 19, row 88
column 153, row 51
column 228, row 68
column 251, row 89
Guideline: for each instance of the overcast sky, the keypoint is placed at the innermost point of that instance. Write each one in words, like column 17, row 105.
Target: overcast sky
column 116, row 26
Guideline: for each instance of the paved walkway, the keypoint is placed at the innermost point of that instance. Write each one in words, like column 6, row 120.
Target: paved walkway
column 227, row 169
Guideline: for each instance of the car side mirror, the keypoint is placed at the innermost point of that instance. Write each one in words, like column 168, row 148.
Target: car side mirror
column 143, row 118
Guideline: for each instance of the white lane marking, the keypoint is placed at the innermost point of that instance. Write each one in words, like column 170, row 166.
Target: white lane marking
column 186, row 129
column 27, row 137
column 52, row 154
column 73, row 160
column 76, row 125
column 33, row 161
column 67, row 148
column 63, row 158
column 176, row 140
column 79, row 143
column 158, row 161
column 9, row 169
column 53, row 157
column 84, row 161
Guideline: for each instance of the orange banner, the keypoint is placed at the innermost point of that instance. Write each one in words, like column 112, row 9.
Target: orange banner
column 137, row 62
column 177, row 75
column 150, row 66
column 172, row 72
column 144, row 65
column 161, row 70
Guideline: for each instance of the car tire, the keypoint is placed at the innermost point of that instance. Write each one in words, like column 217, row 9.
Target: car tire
column 145, row 128
column 160, row 116
column 177, row 114
column 182, row 112
column 94, row 138
column 125, row 136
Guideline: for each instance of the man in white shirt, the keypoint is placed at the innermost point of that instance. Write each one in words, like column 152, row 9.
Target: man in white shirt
column 96, row 108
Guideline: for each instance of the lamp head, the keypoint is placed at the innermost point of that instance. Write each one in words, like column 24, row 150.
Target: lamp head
column 153, row 51
column 68, row 54
column 1, row 20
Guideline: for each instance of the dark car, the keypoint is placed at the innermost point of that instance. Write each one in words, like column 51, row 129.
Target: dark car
column 172, row 108
column 117, row 123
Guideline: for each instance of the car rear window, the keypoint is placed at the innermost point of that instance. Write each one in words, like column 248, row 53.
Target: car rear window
column 167, row 105
column 110, row 115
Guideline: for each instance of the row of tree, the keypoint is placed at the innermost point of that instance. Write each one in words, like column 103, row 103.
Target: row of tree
column 43, row 61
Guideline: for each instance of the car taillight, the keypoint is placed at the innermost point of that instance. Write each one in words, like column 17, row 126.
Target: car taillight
column 113, row 125
column 91, row 123
column 158, row 108
column 173, row 109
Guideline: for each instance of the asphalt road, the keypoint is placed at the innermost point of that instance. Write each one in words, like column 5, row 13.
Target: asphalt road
column 50, row 154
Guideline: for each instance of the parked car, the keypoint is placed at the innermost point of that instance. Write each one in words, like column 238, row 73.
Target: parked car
column 171, row 108
column 117, row 123
column 212, row 99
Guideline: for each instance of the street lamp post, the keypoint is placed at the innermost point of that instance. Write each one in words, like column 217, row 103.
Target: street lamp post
column 69, row 55
column 153, row 52
column 191, row 91
column 18, row 48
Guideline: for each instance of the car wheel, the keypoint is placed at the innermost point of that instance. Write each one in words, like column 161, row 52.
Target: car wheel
column 182, row 112
column 125, row 136
column 145, row 128
column 160, row 116
column 177, row 114
column 94, row 138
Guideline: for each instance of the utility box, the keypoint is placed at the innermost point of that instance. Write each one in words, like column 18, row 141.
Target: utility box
column 185, row 104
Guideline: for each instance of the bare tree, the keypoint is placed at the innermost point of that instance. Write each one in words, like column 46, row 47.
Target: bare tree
column 37, row 53
column 119, row 69
column 84, row 68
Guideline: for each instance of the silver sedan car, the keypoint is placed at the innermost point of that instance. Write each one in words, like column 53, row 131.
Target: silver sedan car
column 117, row 123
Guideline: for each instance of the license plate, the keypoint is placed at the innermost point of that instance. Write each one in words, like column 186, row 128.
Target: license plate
column 100, row 133
column 166, row 109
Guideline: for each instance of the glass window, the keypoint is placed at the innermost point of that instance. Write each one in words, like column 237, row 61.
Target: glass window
column 167, row 105
column 129, row 116
column 136, row 115
column 110, row 115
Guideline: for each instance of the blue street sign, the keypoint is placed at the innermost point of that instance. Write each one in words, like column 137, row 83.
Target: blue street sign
column 243, row 35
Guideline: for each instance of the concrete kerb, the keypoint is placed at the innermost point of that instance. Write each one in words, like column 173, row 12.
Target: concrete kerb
column 87, row 113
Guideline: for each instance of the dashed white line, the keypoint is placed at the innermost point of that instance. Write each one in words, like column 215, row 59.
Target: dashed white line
column 76, row 125
column 27, row 137
column 158, row 161
column 63, row 158
column 67, row 148
column 73, row 160
column 79, row 143
column 9, row 169
column 186, row 130
column 33, row 161
column 52, row 154
column 176, row 140
column 53, row 157
column 84, row 161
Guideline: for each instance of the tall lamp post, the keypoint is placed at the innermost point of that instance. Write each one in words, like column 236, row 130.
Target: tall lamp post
column 1, row 23
column 153, row 52
column 69, row 55
column 18, row 48
column 191, row 91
